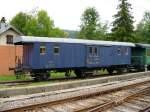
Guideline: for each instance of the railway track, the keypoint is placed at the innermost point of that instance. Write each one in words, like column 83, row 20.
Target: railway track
column 114, row 96
column 137, row 104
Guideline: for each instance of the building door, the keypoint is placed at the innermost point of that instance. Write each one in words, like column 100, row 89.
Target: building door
column 27, row 55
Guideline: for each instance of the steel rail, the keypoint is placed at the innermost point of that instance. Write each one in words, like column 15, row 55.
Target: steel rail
column 109, row 104
column 120, row 101
column 147, row 109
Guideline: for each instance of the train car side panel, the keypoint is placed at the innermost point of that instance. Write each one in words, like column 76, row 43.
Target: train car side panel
column 121, row 55
column 58, row 55
column 98, row 56
column 69, row 56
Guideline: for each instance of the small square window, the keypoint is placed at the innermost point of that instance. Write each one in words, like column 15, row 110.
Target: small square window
column 42, row 49
column 56, row 50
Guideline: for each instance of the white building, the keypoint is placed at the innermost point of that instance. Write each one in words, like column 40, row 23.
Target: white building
column 7, row 33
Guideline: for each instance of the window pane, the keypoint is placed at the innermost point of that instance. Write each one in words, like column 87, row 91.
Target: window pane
column 42, row 49
column 9, row 39
column 90, row 50
column 119, row 51
column 95, row 51
column 56, row 50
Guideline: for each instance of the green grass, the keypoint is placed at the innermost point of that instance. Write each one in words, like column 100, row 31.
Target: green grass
column 53, row 75
column 13, row 78
column 60, row 75
column 7, row 78
column 25, row 77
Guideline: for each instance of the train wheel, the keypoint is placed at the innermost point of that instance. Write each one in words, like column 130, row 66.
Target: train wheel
column 94, row 73
column 68, row 73
column 41, row 76
column 80, row 73
column 45, row 76
column 37, row 78
column 110, row 71
column 120, row 71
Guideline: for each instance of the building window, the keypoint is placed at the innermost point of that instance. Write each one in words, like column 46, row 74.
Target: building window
column 56, row 50
column 42, row 49
column 9, row 39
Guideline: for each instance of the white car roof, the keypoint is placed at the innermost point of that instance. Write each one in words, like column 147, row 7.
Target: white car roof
column 31, row 39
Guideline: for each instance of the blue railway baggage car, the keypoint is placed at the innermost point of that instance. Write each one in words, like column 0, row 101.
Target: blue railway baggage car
column 43, row 54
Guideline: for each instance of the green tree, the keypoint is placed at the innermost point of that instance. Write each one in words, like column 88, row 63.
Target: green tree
column 36, row 25
column 45, row 24
column 56, row 32
column 143, row 28
column 123, row 29
column 31, row 28
column 20, row 21
column 91, row 27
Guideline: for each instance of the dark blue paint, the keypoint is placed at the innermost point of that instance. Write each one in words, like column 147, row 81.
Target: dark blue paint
column 75, row 55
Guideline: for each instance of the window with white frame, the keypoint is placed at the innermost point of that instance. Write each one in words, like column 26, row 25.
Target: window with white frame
column 42, row 49
column 56, row 50
column 93, row 51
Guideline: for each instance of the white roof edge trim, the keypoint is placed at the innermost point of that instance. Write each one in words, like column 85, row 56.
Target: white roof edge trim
column 27, row 39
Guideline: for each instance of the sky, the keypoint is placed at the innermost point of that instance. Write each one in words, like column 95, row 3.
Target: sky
column 67, row 13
